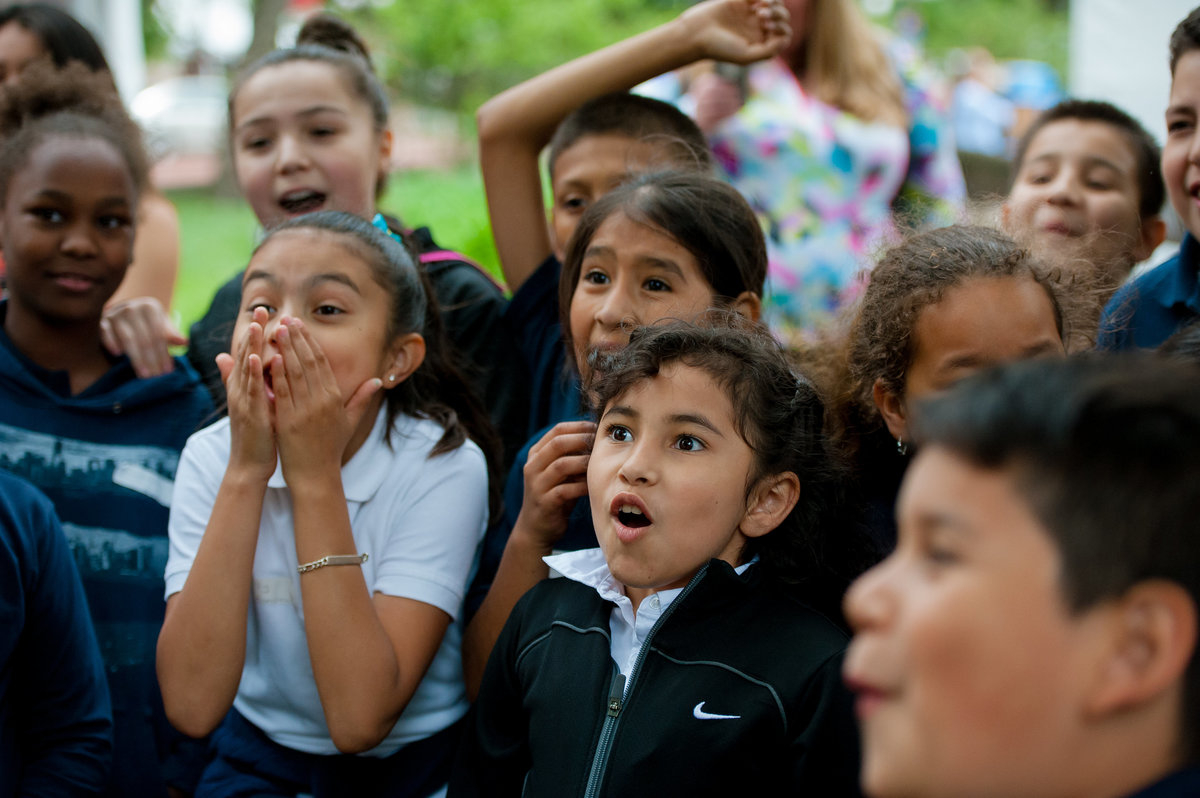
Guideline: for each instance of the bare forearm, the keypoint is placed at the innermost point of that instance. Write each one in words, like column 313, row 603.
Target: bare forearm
column 362, row 687
column 202, row 646
column 521, row 567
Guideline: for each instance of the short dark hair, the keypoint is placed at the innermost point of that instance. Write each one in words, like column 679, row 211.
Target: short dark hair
column 74, row 101
column 637, row 117
column 704, row 215
column 1185, row 38
column 778, row 413
column 64, row 38
column 1106, row 450
column 1151, row 190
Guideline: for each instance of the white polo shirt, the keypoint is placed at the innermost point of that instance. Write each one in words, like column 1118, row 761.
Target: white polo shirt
column 418, row 518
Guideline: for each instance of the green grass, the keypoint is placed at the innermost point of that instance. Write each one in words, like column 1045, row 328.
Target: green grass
column 217, row 235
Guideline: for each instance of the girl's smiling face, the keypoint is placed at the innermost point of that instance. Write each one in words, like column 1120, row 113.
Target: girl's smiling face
column 313, row 276
column 303, row 142
column 632, row 274
column 668, row 479
column 67, row 229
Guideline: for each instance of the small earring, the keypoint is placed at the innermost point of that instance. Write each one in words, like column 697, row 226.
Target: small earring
column 391, row 378
column 901, row 447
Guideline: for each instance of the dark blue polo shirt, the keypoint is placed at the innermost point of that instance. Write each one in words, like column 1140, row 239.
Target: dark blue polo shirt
column 1150, row 309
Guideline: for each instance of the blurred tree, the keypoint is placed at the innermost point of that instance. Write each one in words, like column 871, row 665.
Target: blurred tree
column 457, row 54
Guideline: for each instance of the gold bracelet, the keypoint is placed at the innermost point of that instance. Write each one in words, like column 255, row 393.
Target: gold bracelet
column 332, row 559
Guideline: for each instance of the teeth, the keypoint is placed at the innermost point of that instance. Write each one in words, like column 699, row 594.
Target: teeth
column 629, row 508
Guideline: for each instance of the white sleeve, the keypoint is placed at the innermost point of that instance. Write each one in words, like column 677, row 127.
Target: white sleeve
column 432, row 530
column 196, row 482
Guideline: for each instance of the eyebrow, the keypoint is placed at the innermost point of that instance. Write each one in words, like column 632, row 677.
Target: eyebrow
column 307, row 112
column 666, row 264
column 311, row 282
column 676, row 418
column 1090, row 160
column 971, row 360
column 66, row 196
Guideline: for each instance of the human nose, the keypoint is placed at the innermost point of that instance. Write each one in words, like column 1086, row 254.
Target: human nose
column 291, row 154
column 640, row 466
column 870, row 602
column 79, row 241
column 1064, row 189
column 616, row 308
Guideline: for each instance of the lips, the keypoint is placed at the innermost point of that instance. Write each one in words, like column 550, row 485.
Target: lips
column 74, row 282
column 301, row 201
column 631, row 516
column 868, row 696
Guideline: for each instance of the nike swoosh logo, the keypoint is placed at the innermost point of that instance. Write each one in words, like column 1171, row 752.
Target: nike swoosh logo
column 699, row 714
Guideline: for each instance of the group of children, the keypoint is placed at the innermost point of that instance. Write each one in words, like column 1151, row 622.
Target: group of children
column 353, row 608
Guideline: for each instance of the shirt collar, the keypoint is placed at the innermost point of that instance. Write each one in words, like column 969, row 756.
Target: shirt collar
column 362, row 476
column 588, row 567
column 1184, row 286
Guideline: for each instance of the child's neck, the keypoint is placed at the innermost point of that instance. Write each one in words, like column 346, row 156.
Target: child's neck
column 74, row 348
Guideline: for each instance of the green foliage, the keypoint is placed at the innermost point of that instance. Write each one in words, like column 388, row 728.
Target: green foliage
column 154, row 33
column 1032, row 29
column 457, row 54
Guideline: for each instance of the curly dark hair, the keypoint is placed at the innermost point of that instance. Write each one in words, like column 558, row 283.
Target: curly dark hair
column 74, row 101
column 911, row 276
column 780, row 415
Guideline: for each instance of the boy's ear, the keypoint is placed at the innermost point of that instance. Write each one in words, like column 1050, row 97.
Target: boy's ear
column 770, row 502
column 1153, row 640
column 385, row 151
column 406, row 356
column 1154, row 232
column 891, row 407
column 748, row 304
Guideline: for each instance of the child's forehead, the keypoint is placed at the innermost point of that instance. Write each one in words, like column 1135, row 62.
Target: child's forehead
column 1074, row 136
column 610, row 157
column 676, row 388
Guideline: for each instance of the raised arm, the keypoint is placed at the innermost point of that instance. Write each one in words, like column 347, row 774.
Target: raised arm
column 202, row 645
column 515, row 125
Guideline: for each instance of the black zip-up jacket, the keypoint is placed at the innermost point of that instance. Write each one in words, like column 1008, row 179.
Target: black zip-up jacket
column 736, row 692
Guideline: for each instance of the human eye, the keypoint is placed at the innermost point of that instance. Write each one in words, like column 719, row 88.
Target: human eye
column 656, row 284
column 689, row 443
column 114, row 221
column 594, row 277
column 258, row 303
column 47, row 214
column 327, row 310
column 575, row 203
column 1179, row 124
column 618, row 433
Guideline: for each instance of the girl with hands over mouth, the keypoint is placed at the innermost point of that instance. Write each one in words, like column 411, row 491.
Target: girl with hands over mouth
column 322, row 537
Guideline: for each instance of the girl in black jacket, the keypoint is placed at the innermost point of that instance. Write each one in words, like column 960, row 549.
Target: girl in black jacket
column 686, row 655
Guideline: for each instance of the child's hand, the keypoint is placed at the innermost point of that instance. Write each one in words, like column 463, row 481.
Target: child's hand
column 738, row 31
column 313, row 422
column 140, row 328
column 555, row 478
column 253, row 440
column 716, row 98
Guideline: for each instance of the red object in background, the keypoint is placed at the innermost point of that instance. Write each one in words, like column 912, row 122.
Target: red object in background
column 304, row 6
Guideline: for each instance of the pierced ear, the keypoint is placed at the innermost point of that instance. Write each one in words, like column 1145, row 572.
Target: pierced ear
column 1154, row 232
column 407, row 355
column 770, row 502
column 1153, row 628
column 749, row 304
column 891, row 407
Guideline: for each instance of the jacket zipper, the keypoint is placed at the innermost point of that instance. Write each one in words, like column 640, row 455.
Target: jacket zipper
column 616, row 696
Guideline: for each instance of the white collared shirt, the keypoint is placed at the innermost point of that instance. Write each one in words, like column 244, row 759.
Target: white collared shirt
column 627, row 629
column 418, row 518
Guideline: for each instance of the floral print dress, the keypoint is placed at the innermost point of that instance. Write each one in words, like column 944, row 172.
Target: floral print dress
column 830, row 189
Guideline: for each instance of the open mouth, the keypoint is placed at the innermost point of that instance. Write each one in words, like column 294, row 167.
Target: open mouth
column 632, row 517
column 295, row 203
